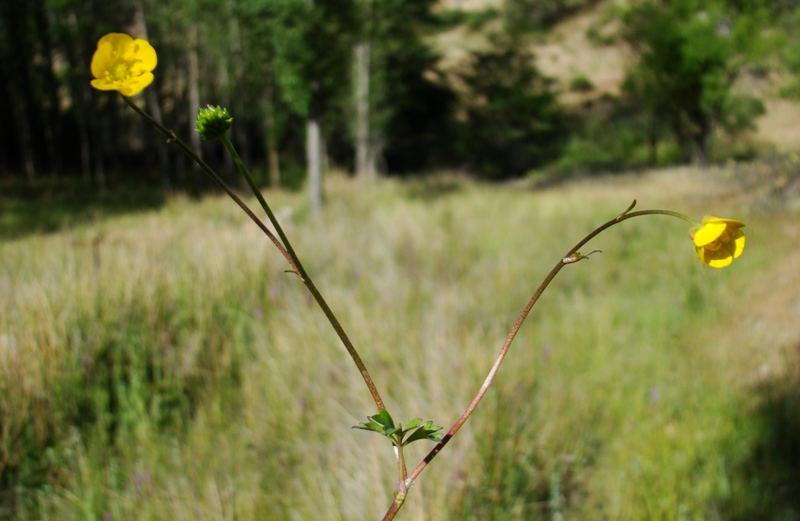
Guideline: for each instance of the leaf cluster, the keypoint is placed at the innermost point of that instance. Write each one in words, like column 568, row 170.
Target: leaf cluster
column 416, row 430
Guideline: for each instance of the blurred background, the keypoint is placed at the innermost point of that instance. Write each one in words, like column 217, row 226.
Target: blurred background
column 498, row 89
column 157, row 363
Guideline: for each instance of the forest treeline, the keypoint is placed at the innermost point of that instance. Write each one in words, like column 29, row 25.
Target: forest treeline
column 357, row 84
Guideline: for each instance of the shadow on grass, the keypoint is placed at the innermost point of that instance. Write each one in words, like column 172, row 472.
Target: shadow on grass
column 45, row 206
column 433, row 187
column 766, row 481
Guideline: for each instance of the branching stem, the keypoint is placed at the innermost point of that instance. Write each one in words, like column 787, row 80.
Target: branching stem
column 173, row 138
column 283, row 245
column 301, row 272
column 571, row 257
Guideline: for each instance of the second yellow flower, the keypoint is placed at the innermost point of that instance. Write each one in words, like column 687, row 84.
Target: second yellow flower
column 718, row 241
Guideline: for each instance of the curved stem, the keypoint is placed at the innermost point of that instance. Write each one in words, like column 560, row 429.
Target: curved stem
column 301, row 272
column 173, row 138
column 284, row 246
column 571, row 257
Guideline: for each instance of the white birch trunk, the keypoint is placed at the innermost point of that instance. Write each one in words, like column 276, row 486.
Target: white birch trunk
column 314, row 160
column 151, row 95
column 365, row 160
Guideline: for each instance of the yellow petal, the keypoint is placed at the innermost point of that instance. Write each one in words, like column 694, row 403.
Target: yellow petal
column 708, row 233
column 109, row 48
column 718, row 258
column 102, row 59
column 701, row 253
column 116, row 40
column 739, row 244
column 145, row 56
column 731, row 222
column 101, row 84
column 720, row 263
column 137, row 85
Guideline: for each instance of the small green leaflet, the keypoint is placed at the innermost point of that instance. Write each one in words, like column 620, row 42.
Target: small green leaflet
column 382, row 423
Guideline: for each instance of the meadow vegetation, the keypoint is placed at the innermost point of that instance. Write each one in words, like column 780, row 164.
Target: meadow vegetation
column 157, row 360
column 162, row 365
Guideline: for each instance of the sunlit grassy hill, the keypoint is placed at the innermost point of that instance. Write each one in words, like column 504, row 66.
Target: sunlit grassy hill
column 586, row 44
column 163, row 365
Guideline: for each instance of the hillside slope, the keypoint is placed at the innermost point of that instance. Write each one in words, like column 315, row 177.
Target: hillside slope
column 568, row 51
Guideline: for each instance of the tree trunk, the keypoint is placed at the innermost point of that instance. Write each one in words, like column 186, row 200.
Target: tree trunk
column 44, row 21
column 652, row 141
column 238, row 108
column 271, row 136
column 702, row 138
column 684, row 142
column 314, row 163
column 97, row 130
column 151, row 96
column 161, row 149
column 77, row 93
column 19, row 111
column 365, row 159
column 92, row 146
column 17, row 60
column 86, row 148
column 193, row 82
column 174, row 113
column 314, row 150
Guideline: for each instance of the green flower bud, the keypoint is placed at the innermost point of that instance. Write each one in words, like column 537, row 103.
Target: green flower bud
column 213, row 122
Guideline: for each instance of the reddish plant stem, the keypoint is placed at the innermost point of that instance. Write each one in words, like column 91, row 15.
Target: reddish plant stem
column 571, row 257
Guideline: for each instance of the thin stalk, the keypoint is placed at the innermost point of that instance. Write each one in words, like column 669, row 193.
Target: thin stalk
column 401, row 468
column 399, row 500
column 301, row 272
column 286, row 251
column 173, row 138
column 571, row 257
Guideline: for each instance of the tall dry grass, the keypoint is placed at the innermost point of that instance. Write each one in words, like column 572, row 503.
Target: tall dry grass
column 164, row 366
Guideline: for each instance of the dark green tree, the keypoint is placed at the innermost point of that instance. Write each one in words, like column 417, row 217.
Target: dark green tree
column 409, row 105
column 513, row 120
column 269, row 108
column 312, row 42
column 789, row 47
column 529, row 15
column 690, row 54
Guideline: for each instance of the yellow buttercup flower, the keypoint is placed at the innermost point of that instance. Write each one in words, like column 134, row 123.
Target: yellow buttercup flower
column 718, row 241
column 123, row 64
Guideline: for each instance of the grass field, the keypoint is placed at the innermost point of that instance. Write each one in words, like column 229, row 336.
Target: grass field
column 162, row 365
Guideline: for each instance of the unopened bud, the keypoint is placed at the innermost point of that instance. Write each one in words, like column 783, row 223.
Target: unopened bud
column 213, row 122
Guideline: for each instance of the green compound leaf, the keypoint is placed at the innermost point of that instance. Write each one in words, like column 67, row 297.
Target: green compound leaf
column 383, row 418
column 428, row 431
column 383, row 424
column 413, row 423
